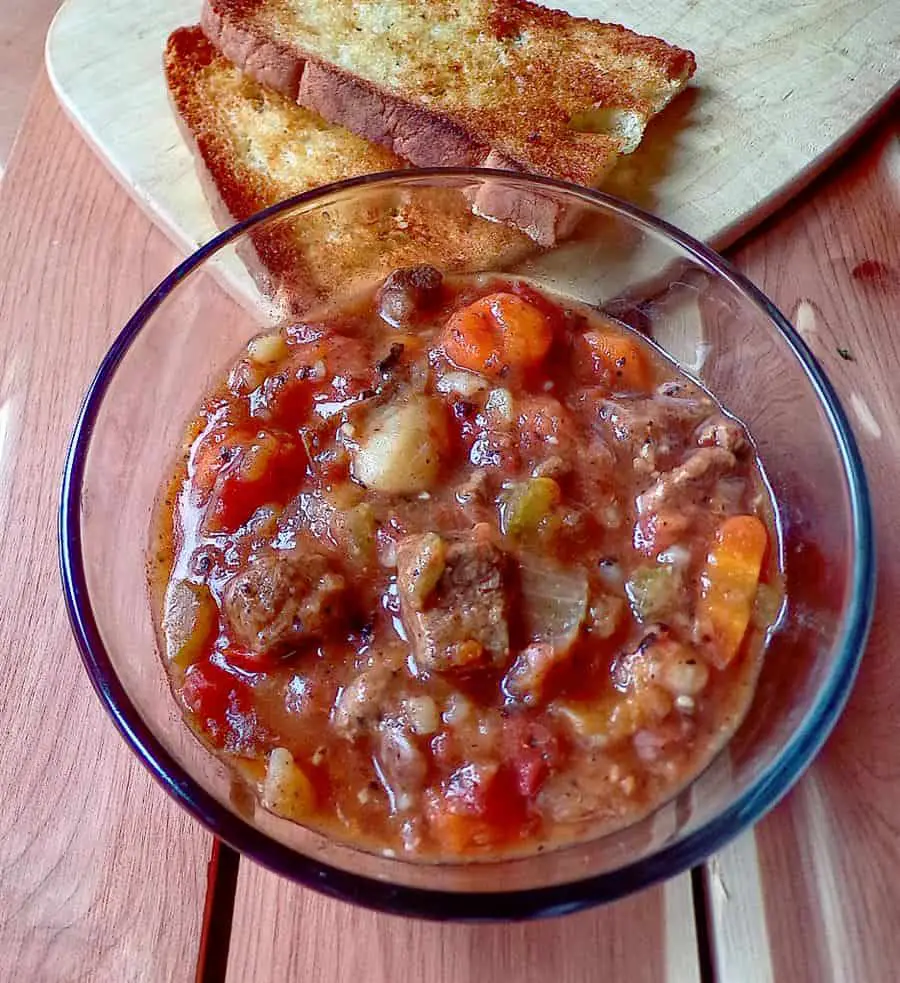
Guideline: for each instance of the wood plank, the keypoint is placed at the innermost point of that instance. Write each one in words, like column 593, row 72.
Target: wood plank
column 283, row 933
column 102, row 877
column 22, row 30
column 778, row 88
column 827, row 858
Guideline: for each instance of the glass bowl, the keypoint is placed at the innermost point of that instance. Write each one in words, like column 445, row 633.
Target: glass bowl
column 316, row 247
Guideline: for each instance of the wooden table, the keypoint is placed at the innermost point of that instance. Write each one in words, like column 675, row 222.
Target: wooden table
column 103, row 878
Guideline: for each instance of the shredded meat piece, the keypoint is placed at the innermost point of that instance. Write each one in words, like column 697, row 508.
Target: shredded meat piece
column 638, row 419
column 282, row 600
column 582, row 791
column 722, row 431
column 402, row 765
column 684, row 486
column 552, row 467
column 472, row 490
column 359, row 704
column 461, row 620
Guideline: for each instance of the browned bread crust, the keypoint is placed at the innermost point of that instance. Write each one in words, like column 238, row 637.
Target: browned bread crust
column 517, row 85
column 256, row 147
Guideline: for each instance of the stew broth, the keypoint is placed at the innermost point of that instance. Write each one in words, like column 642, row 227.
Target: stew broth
column 462, row 570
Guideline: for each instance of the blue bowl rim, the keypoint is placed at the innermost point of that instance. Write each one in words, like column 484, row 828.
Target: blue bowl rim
column 765, row 792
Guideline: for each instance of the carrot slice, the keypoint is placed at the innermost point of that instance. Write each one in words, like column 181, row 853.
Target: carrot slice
column 620, row 359
column 497, row 331
column 728, row 585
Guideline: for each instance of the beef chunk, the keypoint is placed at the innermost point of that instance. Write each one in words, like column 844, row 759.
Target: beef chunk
column 408, row 293
column 453, row 601
column 282, row 600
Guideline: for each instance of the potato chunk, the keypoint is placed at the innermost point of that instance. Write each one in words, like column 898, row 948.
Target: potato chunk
column 287, row 790
column 190, row 622
column 401, row 447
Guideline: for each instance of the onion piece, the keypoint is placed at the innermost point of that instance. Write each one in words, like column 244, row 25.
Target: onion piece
column 554, row 602
column 462, row 383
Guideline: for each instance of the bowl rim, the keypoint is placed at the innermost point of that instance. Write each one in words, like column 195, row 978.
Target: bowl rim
column 759, row 798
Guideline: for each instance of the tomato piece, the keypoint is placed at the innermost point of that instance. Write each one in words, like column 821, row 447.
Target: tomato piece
column 532, row 751
column 264, row 468
column 480, row 807
column 287, row 399
column 207, row 693
column 211, row 454
column 248, row 661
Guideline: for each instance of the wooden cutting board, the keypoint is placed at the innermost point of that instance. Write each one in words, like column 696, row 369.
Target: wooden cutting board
column 780, row 90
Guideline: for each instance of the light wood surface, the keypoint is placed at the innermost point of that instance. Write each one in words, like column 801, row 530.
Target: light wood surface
column 778, row 89
column 284, row 933
column 827, row 862
column 22, row 30
column 102, row 878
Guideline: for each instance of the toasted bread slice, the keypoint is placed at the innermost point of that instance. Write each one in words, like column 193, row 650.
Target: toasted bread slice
column 258, row 147
column 502, row 83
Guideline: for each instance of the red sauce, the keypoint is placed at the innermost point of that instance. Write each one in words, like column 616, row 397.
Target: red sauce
column 463, row 570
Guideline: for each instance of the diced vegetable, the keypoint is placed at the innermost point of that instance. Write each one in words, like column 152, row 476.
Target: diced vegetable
column 457, row 832
column 729, row 585
column 267, row 349
column 423, row 714
column 686, row 676
column 245, row 471
column 531, row 750
column 402, row 446
column 360, row 526
column 287, row 790
column 526, row 507
column 211, row 455
column 217, row 699
column 403, row 766
column 425, row 568
column 344, row 495
column 676, row 667
column 605, row 615
column 615, row 718
column 464, row 384
column 190, row 622
column 767, row 606
column 619, row 360
column 554, row 601
column 653, row 591
column 496, row 332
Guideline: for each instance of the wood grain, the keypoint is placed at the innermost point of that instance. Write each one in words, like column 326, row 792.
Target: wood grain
column 283, row 933
column 828, row 858
column 22, row 30
column 778, row 89
column 102, row 878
